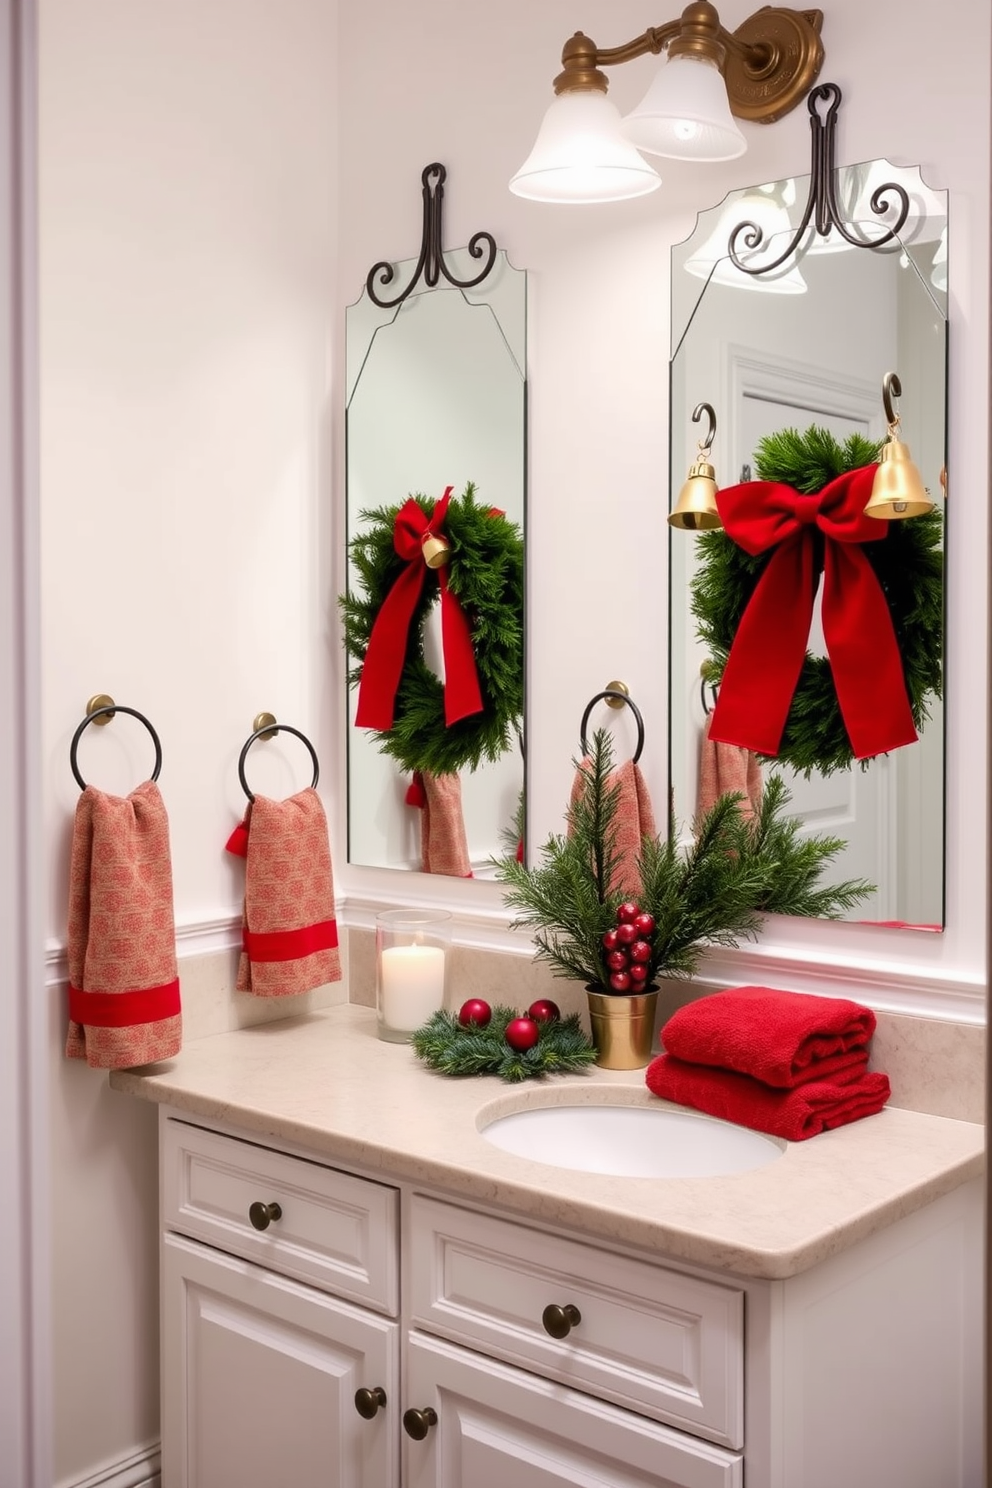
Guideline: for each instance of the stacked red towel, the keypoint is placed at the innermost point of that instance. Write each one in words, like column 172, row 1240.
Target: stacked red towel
column 786, row 1063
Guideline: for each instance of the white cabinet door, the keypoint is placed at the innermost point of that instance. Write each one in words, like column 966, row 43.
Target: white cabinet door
column 498, row 1427
column 260, row 1376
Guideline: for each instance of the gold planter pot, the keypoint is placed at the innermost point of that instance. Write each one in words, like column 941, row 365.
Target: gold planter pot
column 623, row 1027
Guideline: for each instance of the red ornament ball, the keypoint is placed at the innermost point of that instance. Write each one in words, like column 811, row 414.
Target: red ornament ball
column 617, row 960
column 610, row 940
column 475, row 1013
column 626, row 933
column 544, row 1010
column 640, row 951
column 644, row 924
column 522, row 1034
column 638, row 973
column 620, row 981
column 628, row 912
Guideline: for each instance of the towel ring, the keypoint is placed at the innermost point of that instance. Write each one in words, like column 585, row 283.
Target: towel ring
column 266, row 731
column 607, row 693
column 703, row 684
column 94, row 717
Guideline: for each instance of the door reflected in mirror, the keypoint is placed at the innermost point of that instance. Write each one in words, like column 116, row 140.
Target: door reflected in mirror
column 808, row 347
column 436, row 397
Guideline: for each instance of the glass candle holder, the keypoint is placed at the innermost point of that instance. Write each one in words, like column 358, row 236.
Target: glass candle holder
column 411, row 952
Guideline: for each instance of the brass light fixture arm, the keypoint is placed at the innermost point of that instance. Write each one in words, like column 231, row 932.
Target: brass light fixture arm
column 821, row 205
column 431, row 265
column 769, row 62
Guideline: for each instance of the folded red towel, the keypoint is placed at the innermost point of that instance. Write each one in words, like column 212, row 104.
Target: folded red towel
column 781, row 1038
column 124, row 1006
column 289, row 929
column 817, row 1106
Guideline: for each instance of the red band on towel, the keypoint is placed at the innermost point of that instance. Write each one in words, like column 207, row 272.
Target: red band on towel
column 237, row 843
column 124, row 1009
column 290, row 945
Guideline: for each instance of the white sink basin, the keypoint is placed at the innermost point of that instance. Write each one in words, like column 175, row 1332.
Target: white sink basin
column 630, row 1141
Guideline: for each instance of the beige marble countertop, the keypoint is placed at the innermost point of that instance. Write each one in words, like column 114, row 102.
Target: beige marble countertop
column 325, row 1081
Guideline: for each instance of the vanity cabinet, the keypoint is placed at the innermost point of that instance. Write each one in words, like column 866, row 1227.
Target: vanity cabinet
column 334, row 1328
column 279, row 1295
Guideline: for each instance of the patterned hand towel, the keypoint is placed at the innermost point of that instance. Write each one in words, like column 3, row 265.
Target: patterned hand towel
column 124, row 1006
column 781, row 1038
column 817, row 1106
column 726, row 768
column 289, row 928
column 443, row 844
column 633, row 822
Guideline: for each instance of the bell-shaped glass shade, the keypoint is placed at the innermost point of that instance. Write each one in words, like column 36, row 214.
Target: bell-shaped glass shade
column 712, row 261
column 580, row 155
column 685, row 114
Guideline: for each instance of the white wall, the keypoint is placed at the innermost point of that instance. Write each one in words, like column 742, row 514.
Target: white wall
column 188, row 222
column 192, row 294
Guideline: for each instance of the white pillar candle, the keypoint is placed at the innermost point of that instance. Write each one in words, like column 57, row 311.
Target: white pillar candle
column 412, row 985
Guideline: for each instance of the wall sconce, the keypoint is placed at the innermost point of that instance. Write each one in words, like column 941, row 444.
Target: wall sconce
column 585, row 151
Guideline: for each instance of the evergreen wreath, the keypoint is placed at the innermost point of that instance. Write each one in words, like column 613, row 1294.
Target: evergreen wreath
column 486, row 574
column 444, row 1045
column 908, row 563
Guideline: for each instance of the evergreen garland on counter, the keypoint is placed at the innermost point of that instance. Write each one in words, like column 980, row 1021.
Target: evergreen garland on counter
column 908, row 563
column 445, row 1045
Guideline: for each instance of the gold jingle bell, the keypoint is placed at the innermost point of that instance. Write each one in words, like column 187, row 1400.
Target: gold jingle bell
column 696, row 508
column 435, row 550
column 897, row 490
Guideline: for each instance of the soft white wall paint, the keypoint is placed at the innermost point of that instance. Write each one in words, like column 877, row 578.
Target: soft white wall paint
column 187, row 211
column 471, row 95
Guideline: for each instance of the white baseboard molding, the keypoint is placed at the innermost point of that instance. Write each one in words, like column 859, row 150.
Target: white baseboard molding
column 141, row 1469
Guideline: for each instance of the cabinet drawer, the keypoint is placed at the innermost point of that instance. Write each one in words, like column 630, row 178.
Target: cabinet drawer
column 334, row 1230
column 666, row 1345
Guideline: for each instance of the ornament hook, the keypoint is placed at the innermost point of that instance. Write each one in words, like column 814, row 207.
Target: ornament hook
column 891, row 388
column 706, row 443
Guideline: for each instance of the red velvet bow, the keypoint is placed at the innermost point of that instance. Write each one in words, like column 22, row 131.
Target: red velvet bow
column 769, row 648
column 386, row 653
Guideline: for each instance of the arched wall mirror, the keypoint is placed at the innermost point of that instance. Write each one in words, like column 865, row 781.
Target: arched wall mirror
column 436, row 397
column 810, row 347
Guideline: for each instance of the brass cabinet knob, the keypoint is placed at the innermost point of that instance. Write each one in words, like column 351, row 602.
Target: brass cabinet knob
column 559, row 1321
column 367, row 1402
column 262, row 1215
column 417, row 1423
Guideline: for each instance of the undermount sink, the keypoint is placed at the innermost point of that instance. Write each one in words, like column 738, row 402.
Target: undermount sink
column 630, row 1141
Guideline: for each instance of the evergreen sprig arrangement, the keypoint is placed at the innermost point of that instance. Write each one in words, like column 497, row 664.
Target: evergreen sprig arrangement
column 443, row 1044
column 714, row 891
column 908, row 563
column 485, row 572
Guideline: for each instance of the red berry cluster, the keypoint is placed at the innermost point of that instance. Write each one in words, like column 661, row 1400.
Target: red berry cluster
column 628, row 949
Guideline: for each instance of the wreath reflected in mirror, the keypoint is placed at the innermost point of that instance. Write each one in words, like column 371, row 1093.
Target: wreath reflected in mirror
column 906, row 561
column 469, row 559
